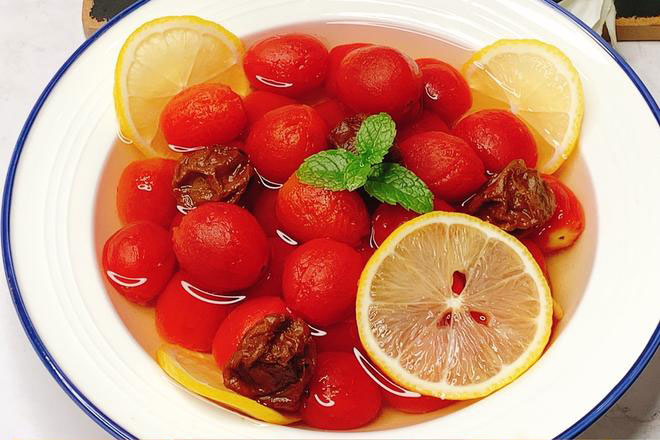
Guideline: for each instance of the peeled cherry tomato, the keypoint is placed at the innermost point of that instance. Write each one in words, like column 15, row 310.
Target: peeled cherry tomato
column 387, row 218
column 427, row 121
column 335, row 58
column 415, row 405
column 320, row 281
column 259, row 102
column 423, row 62
column 307, row 212
column 203, row 115
column 138, row 261
column 376, row 79
column 270, row 283
column 291, row 64
column 332, row 112
column 445, row 91
column 239, row 321
column 566, row 224
column 441, row 205
column 498, row 137
column 144, row 192
column 283, row 138
column 221, row 247
column 341, row 395
column 262, row 207
column 447, row 164
column 365, row 250
column 536, row 252
column 188, row 316
column 342, row 336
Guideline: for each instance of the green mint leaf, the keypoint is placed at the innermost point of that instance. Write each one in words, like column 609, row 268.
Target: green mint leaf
column 394, row 184
column 356, row 174
column 326, row 169
column 375, row 137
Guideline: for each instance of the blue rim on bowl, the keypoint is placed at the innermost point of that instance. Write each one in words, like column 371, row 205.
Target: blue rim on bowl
column 113, row 427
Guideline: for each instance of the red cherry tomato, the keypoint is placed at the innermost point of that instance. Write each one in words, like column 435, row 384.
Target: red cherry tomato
column 536, row 252
column 365, row 250
column 387, row 218
column 498, row 137
column 423, row 62
column 138, row 261
column 239, row 321
column 291, row 64
column 144, row 192
column 258, row 103
column 221, row 247
column 332, row 112
column 283, row 138
column 335, row 58
column 445, row 91
column 270, row 283
column 188, row 316
column 415, row 405
column 377, row 79
column 342, row 336
column 320, row 281
column 203, row 115
column 262, row 207
column 428, row 121
column 441, row 205
column 341, row 395
column 449, row 166
column 307, row 212
column 567, row 223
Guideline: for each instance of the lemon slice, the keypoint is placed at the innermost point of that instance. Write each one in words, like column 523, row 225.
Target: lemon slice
column 197, row 372
column 538, row 83
column 163, row 57
column 453, row 345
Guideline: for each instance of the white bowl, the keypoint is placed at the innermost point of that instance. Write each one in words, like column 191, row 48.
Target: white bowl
column 51, row 232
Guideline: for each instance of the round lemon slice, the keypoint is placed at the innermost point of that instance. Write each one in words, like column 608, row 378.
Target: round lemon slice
column 538, row 83
column 161, row 58
column 197, row 372
column 438, row 337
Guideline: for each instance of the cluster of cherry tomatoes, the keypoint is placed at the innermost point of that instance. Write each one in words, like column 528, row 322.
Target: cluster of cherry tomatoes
column 217, row 270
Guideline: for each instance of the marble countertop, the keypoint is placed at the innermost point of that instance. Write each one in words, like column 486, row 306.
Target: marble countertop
column 36, row 36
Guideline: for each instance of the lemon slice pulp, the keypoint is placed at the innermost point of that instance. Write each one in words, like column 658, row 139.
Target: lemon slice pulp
column 161, row 58
column 538, row 83
column 197, row 372
column 453, row 345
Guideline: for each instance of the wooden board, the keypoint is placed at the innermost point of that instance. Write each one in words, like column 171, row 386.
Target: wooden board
column 638, row 20
column 95, row 13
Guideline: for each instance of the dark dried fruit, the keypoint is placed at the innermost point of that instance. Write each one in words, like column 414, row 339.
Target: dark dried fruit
column 273, row 363
column 344, row 134
column 515, row 199
column 213, row 174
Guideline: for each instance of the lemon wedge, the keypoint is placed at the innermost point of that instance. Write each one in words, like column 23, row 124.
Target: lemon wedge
column 432, row 340
column 161, row 58
column 538, row 83
column 197, row 372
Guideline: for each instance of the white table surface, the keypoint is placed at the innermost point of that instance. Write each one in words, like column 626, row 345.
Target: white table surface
column 36, row 36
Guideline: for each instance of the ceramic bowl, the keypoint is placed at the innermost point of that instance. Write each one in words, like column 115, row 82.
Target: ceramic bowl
column 58, row 208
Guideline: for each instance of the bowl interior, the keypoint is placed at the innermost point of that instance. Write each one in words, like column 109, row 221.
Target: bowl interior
column 569, row 270
column 61, row 209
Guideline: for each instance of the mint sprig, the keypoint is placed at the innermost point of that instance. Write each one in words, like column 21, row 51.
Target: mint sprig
column 375, row 137
column 339, row 169
column 392, row 183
